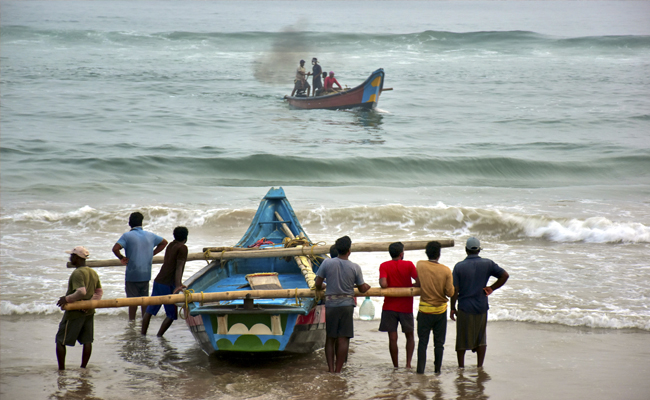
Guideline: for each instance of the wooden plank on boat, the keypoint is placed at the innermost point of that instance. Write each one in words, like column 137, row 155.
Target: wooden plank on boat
column 231, row 295
column 228, row 253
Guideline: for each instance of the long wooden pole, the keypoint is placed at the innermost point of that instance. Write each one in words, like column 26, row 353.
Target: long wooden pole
column 216, row 253
column 240, row 294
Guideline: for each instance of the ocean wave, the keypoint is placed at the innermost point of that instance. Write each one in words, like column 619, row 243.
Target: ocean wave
column 572, row 318
column 365, row 221
column 35, row 308
column 269, row 170
column 506, row 40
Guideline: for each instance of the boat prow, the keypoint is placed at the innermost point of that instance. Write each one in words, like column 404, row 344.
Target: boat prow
column 293, row 325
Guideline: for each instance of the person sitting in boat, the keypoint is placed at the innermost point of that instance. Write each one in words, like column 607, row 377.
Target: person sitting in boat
column 300, row 83
column 316, row 71
column 329, row 83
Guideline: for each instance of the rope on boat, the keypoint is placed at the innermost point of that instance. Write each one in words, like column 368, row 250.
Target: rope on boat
column 185, row 310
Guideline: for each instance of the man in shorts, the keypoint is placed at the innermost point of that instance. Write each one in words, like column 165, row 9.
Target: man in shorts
column 342, row 276
column 470, row 279
column 169, row 280
column 437, row 285
column 300, row 83
column 140, row 247
column 398, row 310
column 78, row 325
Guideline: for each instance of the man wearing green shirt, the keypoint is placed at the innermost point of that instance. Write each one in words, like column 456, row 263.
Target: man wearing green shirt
column 78, row 325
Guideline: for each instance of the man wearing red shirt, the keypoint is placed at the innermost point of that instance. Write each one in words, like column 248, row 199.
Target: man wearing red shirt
column 329, row 83
column 398, row 273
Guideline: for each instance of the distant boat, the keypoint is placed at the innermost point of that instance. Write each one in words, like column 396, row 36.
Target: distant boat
column 292, row 325
column 365, row 96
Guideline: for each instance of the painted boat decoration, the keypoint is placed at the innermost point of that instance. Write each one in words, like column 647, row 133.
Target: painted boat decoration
column 295, row 325
column 365, row 96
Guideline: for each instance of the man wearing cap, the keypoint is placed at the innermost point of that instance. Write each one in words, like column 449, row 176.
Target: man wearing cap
column 470, row 279
column 140, row 247
column 316, row 71
column 300, row 83
column 78, row 325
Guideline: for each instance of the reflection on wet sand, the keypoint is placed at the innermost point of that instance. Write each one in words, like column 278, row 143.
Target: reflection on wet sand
column 74, row 387
column 471, row 384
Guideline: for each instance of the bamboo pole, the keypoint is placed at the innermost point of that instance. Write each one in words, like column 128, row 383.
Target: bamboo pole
column 215, row 253
column 234, row 295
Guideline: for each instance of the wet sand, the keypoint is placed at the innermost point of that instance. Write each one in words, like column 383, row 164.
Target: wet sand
column 524, row 361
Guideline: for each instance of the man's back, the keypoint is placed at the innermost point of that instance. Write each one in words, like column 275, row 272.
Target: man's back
column 341, row 277
column 138, row 245
column 436, row 283
column 470, row 277
column 398, row 273
column 175, row 251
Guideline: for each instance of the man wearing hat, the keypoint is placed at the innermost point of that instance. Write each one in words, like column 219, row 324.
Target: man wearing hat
column 300, row 83
column 471, row 291
column 78, row 325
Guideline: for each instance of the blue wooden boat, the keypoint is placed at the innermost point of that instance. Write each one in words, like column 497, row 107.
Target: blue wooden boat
column 294, row 325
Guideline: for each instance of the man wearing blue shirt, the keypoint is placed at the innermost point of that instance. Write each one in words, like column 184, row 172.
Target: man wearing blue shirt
column 470, row 279
column 140, row 247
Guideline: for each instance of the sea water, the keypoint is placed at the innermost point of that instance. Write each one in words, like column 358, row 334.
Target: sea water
column 525, row 124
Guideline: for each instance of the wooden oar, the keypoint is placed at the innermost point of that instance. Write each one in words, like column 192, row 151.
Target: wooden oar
column 215, row 253
column 219, row 296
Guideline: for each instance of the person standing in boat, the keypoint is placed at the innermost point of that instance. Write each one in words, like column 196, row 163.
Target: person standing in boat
column 437, row 286
column 342, row 275
column 329, row 83
column 140, row 247
column 78, row 325
column 169, row 280
column 300, row 83
column 316, row 73
column 398, row 310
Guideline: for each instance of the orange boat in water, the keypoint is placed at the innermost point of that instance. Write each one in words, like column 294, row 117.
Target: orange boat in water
column 365, row 96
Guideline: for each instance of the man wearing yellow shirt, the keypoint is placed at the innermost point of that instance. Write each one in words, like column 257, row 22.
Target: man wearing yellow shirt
column 437, row 286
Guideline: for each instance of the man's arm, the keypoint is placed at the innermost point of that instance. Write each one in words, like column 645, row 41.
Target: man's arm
column 318, row 283
column 180, row 267
column 383, row 282
column 161, row 246
column 99, row 292
column 454, row 298
column 364, row 288
column 500, row 282
column 71, row 298
column 117, row 251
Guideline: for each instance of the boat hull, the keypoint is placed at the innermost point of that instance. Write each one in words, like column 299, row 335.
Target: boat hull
column 365, row 96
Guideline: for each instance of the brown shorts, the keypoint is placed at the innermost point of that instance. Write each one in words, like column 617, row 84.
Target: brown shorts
column 470, row 331
column 76, row 330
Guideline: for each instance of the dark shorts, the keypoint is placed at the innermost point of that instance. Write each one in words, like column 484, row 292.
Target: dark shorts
column 299, row 85
column 163, row 290
column 338, row 321
column 390, row 319
column 136, row 289
column 470, row 331
column 76, row 330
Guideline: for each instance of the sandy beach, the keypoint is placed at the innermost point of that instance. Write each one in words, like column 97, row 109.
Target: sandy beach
column 524, row 361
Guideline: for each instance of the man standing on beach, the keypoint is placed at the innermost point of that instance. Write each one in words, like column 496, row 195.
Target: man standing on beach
column 169, row 280
column 398, row 310
column 78, row 325
column 470, row 279
column 342, row 275
column 437, row 285
column 140, row 247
